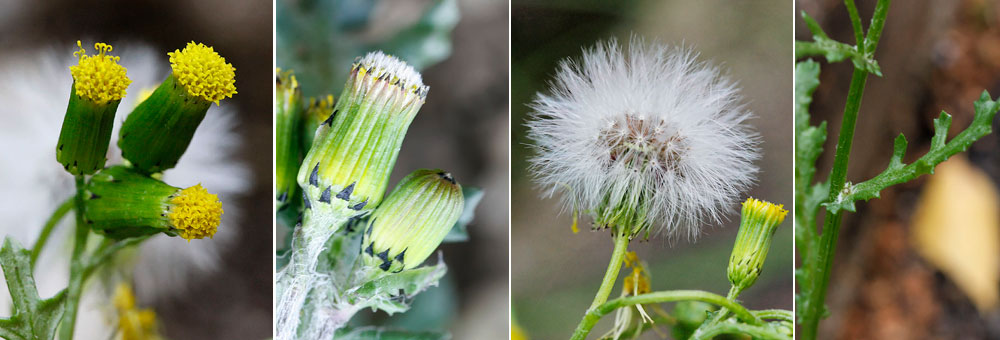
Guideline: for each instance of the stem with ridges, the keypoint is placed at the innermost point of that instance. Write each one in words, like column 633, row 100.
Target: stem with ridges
column 76, row 268
column 831, row 226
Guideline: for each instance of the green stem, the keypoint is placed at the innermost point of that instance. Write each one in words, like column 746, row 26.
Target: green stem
column 859, row 32
column 775, row 314
column 757, row 332
column 50, row 224
column 820, row 275
column 595, row 315
column 76, row 268
column 611, row 276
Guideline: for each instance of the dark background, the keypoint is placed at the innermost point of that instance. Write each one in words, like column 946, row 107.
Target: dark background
column 556, row 273
column 935, row 55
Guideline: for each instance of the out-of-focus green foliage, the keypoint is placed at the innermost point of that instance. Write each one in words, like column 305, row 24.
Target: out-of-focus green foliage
column 319, row 39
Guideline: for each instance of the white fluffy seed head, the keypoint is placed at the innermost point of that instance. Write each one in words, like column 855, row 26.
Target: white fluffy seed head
column 651, row 139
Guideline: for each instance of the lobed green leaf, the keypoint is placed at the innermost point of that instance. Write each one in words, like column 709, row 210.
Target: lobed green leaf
column 33, row 318
column 898, row 172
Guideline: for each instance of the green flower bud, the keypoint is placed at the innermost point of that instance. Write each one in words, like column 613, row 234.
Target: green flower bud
column 123, row 203
column 412, row 221
column 287, row 107
column 99, row 84
column 347, row 168
column 758, row 221
column 159, row 130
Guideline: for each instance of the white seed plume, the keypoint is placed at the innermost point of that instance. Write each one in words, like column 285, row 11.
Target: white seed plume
column 652, row 128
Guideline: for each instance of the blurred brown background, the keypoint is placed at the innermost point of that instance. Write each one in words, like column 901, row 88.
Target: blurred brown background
column 235, row 302
column 556, row 273
column 905, row 262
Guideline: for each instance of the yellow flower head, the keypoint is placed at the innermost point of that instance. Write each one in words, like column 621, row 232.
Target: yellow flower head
column 99, row 78
column 203, row 72
column 195, row 213
column 134, row 323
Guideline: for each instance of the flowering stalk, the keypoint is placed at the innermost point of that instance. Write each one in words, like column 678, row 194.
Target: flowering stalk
column 123, row 205
column 346, row 170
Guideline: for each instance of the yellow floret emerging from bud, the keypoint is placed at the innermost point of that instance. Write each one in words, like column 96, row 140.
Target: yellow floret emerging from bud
column 99, row 78
column 195, row 213
column 203, row 72
column 770, row 212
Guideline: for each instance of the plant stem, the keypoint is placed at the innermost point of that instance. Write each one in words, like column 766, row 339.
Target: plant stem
column 595, row 315
column 76, row 265
column 775, row 314
column 611, row 276
column 757, row 332
column 820, row 275
column 50, row 224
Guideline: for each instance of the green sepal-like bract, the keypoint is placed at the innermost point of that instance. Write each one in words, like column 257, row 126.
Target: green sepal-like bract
column 158, row 131
column 122, row 203
column 85, row 135
column 413, row 221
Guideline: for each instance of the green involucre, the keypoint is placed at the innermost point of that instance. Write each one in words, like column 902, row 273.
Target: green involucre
column 159, row 130
column 122, row 203
column 86, row 132
column 355, row 149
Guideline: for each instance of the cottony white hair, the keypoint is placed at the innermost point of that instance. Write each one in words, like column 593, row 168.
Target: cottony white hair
column 653, row 129
column 34, row 90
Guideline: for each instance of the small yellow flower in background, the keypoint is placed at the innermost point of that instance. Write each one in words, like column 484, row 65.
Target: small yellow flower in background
column 195, row 213
column 134, row 323
column 99, row 78
column 203, row 72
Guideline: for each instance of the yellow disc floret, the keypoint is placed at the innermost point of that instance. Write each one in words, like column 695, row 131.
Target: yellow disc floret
column 195, row 213
column 203, row 72
column 99, row 78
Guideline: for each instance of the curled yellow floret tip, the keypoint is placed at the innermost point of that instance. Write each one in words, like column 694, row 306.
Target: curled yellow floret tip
column 768, row 211
column 203, row 72
column 99, row 78
column 195, row 213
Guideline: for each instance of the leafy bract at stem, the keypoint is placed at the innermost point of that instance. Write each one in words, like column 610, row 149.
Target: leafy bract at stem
column 898, row 172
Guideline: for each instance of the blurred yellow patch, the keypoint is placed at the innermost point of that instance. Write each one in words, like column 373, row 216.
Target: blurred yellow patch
column 957, row 229
column 134, row 323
